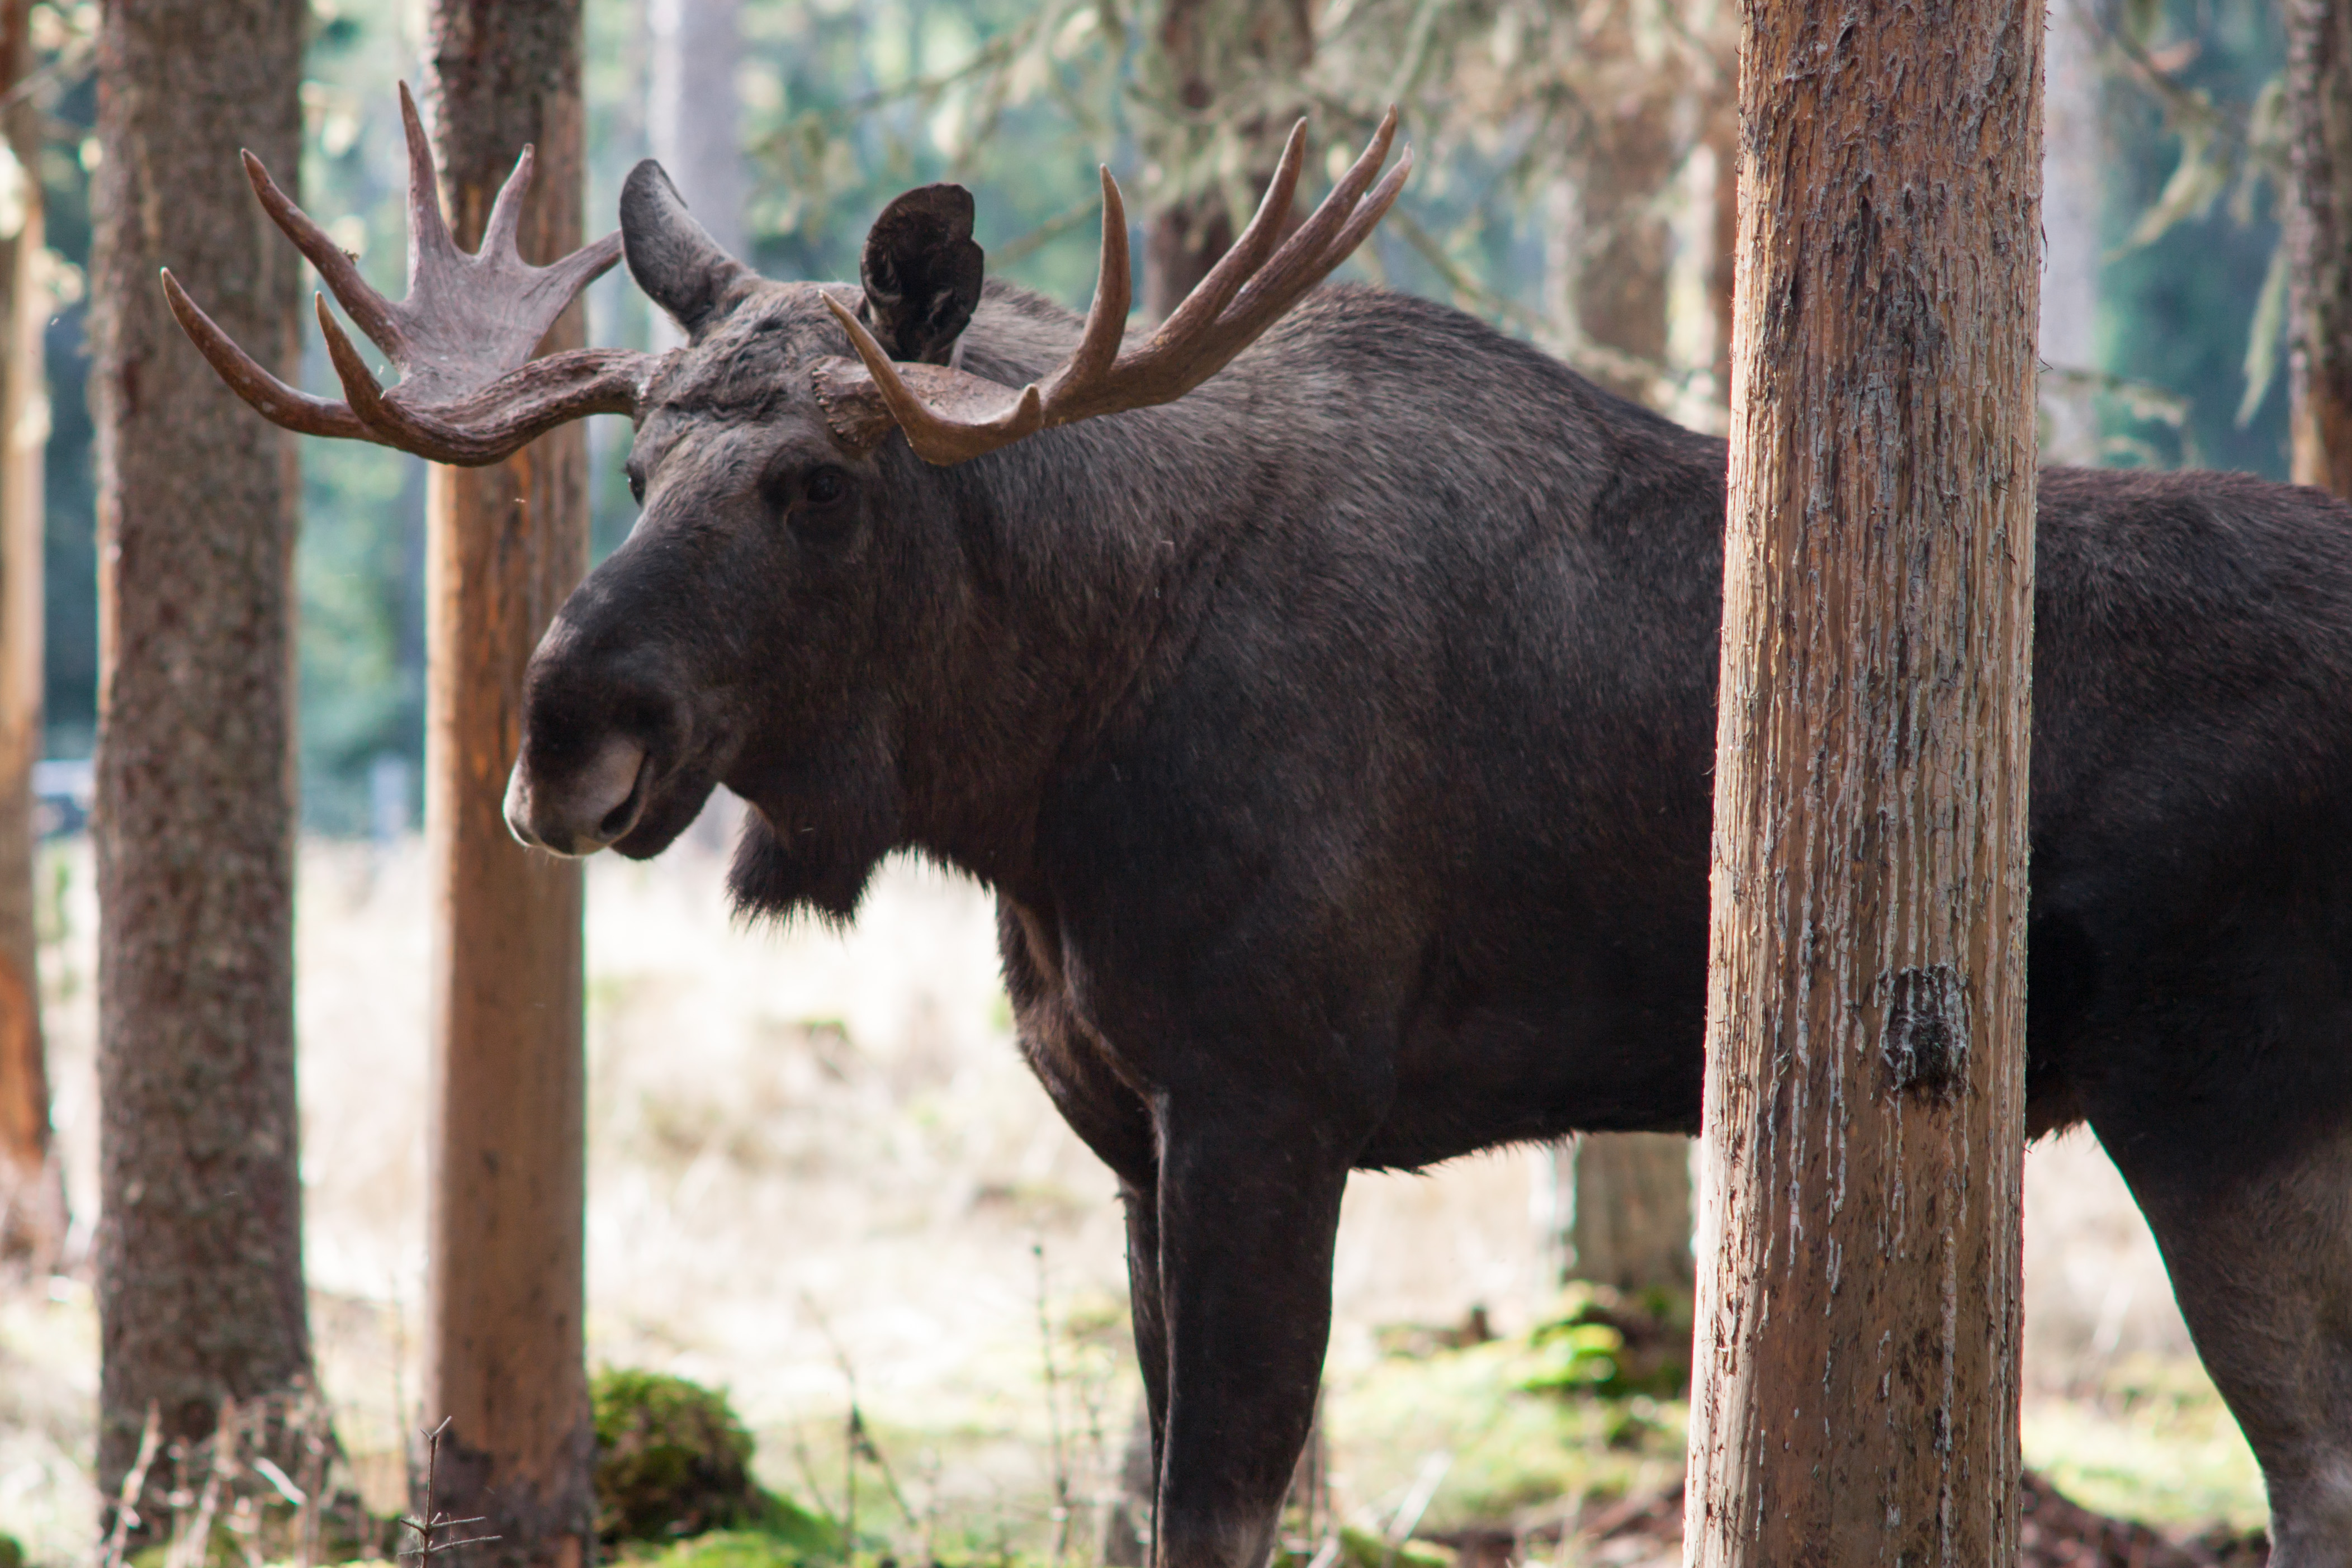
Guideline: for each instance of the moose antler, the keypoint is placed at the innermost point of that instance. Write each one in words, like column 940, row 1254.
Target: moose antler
column 955, row 416
column 469, row 392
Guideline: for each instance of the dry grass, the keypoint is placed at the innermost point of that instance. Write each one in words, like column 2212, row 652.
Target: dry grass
column 816, row 1155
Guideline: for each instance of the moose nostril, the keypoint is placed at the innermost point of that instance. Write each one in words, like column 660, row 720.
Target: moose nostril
column 609, row 789
column 577, row 812
column 623, row 817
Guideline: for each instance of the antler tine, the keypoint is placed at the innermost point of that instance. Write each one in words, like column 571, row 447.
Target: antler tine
column 937, row 438
column 958, row 416
column 359, row 385
column 581, row 267
column 270, row 397
column 428, row 231
column 1325, row 239
column 506, row 210
column 1114, row 296
column 372, row 311
column 1246, row 256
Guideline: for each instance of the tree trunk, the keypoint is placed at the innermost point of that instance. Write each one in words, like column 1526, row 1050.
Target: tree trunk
column 1632, row 1229
column 694, row 123
column 200, row 1239
column 1208, row 50
column 2074, row 193
column 1611, row 239
column 1857, row 1367
column 694, row 115
column 2319, row 231
column 32, row 1194
column 506, row 544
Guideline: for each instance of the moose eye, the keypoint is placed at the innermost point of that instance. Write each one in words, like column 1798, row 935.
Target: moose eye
column 826, row 485
column 636, row 483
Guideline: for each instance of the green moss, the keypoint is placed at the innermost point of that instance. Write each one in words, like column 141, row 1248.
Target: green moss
column 729, row 1549
column 1601, row 1342
column 1510, row 1446
column 2153, row 1442
column 672, row 1460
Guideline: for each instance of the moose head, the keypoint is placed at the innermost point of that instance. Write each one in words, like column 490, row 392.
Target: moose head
column 804, row 610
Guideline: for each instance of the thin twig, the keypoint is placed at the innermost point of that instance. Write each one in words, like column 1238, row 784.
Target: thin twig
column 134, row 1487
column 1052, row 1413
column 806, row 1464
column 857, row 1438
column 426, row 1549
column 181, row 1553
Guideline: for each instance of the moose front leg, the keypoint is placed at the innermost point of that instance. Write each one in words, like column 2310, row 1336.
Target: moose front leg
column 1249, row 1205
column 1143, row 1297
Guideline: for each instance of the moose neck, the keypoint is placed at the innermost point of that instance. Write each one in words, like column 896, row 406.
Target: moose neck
column 1086, row 552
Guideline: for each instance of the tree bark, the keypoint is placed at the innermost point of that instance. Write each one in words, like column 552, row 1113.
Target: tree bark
column 1611, row 239
column 1856, row 1399
column 694, row 121
column 504, row 545
column 32, row 1193
column 1632, row 1229
column 2319, row 233
column 200, row 1239
column 694, row 115
column 2074, row 193
column 1208, row 48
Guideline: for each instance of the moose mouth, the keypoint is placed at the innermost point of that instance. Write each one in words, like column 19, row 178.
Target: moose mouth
column 657, row 813
column 625, row 798
column 623, row 801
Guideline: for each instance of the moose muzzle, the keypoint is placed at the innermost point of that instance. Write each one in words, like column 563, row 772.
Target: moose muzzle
column 585, row 810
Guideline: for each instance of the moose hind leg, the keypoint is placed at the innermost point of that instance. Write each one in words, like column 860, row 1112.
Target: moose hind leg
column 2261, row 1259
column 1249, row 1206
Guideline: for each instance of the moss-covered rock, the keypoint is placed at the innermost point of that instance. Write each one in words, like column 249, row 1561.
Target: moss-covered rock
column 671, row 1459
column 1602, row 1342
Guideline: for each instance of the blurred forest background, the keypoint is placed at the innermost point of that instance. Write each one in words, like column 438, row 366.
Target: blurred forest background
column 821, row 109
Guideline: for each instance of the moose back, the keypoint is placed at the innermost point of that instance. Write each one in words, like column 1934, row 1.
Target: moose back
column 1326, row 687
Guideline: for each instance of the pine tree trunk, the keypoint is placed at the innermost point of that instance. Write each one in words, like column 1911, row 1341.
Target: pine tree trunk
column 200, row 1237
column 694, row 115
column 1614, row 243
column 1632, row 1207
column 1857, row 1367
column 1208, row 48
column 507, row 1172
column 2074, row 193
column 32, row 1194
column 2319, row 233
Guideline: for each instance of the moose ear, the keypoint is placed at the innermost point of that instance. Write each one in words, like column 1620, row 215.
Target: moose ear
column 673, row 258
column 921, row 272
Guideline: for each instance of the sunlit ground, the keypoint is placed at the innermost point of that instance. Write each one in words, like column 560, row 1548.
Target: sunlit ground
column 820, row 1172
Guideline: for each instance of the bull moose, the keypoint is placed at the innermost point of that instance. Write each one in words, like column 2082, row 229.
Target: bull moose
column 1326, row 687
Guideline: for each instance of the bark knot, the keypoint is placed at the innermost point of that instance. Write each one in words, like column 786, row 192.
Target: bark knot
column 1925, row 1045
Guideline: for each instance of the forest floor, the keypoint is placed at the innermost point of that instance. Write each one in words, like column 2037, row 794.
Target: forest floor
column 821, row 1178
